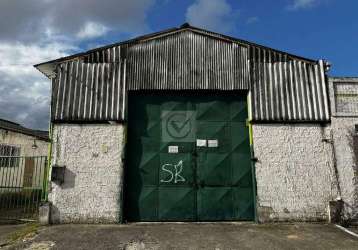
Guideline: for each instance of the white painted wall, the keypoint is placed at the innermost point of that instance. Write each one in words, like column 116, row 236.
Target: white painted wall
column 343, row 131
column 92, row 154
column 344, row 106
column 294, row 172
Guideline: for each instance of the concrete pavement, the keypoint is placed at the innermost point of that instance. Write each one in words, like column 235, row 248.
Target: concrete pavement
column 189, row 236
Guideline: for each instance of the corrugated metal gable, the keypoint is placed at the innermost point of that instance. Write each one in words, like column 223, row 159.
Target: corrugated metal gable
column 88, row 92
column 283, row 87
column 287, row 89
column 187, row 60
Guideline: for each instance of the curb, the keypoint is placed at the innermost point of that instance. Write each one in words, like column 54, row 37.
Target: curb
column 346, row 230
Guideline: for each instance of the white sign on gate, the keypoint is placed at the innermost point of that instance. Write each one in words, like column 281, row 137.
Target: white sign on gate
column 213, row 143
column 200, row 143
column 173, row 149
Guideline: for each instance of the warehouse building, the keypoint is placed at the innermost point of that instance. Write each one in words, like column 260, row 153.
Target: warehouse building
column 191, row 125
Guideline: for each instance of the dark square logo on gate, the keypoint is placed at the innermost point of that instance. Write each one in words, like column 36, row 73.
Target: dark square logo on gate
column 178, row 126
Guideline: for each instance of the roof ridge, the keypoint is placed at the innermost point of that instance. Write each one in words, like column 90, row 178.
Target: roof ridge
column 5, row 120
column 183, row 27
column 16, row 127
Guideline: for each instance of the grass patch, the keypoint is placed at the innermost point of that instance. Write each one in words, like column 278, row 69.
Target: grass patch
column 23, row 232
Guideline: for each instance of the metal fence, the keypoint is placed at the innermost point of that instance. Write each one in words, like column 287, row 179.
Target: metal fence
column 22, row 186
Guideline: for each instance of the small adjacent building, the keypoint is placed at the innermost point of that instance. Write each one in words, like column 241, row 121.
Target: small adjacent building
column 191, row 125
column 23, row 154
column 16, row 140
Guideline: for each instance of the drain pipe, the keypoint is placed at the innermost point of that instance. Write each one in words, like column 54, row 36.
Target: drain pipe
column 334, row 159
column 337, row 204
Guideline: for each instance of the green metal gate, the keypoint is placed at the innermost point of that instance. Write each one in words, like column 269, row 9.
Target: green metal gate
column 188, row 158
column 22, row 182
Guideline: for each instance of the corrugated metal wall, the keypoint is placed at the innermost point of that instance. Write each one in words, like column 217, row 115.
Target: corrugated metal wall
column 187, row 60
column 108, row 55
column 283, row 88
column 88, row 92
column 286, row 89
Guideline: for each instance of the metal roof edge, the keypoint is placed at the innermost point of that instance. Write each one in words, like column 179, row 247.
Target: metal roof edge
column 289, row 122
column 139, row 38
column 18, row 128
column 166, row 32
column 343, row 78
column 30, row 132
column 245, row 42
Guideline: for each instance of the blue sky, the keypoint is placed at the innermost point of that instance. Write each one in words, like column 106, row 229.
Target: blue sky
column 35, row 31
column 316, row 29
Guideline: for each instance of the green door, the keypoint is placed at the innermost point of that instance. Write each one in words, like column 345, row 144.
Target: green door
column 188, row 158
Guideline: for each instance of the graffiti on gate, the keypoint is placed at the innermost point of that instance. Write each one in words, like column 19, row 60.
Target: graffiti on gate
column 173, row 171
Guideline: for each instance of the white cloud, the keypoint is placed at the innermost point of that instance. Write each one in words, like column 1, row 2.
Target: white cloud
column 31, row 19
column 302, row 4
column 35, row 31
column 92, row 30
column 251, row 20
column 215, row 15
column 24, row 92
column 19, row 58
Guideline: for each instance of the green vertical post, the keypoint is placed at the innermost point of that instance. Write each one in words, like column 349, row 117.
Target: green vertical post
column 47, row 167
column 44, row 196
column 249, row 124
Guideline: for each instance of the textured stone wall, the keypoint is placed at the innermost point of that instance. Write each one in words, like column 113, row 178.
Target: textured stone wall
column 294, row 172
column 92, row 154
column 347, row 164
column 344, row 102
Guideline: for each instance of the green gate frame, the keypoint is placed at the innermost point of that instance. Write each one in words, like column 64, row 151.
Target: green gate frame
column 253, row 169
column 253, row 161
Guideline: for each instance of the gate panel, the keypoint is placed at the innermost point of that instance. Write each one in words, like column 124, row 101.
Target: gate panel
column 21, row 186
column 176, row 203
column 243, row 207
column 28, row 172
column 142, row 203
column 241, row 163
column 214, row 163
column 170, row 176
column 215, row 204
